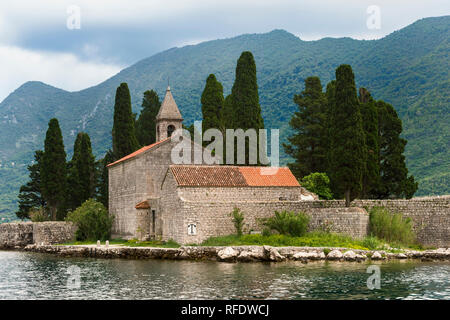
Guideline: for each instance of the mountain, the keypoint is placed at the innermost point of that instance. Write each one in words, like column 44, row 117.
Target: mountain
column 408, row 68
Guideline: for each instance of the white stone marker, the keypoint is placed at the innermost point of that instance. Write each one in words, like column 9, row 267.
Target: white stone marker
column 98, row 243
column 107, row 243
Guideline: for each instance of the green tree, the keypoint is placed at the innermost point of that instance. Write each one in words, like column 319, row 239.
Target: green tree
column 30, row 197
column 102, row 174
column 347, row 141
column 54, row 171
column 81, row 177
column 124, row 136
column 245, row 98
column 395, row 181
column 92, row 220
column 212, row 104
column 369, row 114
column 146, row 123
column 318, row 183
column 308, row 144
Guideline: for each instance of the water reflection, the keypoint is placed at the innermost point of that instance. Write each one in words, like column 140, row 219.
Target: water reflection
column 39, row 276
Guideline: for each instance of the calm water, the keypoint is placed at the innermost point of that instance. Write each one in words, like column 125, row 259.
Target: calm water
column 40, row 276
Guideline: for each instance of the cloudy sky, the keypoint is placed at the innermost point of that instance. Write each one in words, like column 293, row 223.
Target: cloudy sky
column 76, row 44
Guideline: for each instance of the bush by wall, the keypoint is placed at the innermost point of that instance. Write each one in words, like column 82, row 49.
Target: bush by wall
column 391, row 227
column 288, row 223
column 93, row 221
column 238, row 220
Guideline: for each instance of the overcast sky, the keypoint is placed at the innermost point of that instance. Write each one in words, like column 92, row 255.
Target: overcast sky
column 37, row 44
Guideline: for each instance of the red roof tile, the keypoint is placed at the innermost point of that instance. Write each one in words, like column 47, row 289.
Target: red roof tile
column 137, row 152
column 232, row 176
column 269, row 176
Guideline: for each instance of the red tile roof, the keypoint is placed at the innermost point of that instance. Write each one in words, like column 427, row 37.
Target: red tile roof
column 137, row 152
column 143, row 205
column 233, row 176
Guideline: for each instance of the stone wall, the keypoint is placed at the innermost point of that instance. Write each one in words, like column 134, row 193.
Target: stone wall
column 211, row 215
column 53, row 232
column 25, row 233
column 16, row 234
column 213, row 218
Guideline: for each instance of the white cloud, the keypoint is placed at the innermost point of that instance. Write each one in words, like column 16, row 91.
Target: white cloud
column 62, row 70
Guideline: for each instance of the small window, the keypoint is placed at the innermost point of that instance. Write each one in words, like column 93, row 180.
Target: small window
column 170, row 130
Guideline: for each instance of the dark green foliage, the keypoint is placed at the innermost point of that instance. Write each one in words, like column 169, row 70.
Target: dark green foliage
column 347, row 141
column 308, row 143
column 93, row 221
column 288, row 223
column 391, row 227
column 30, row 196
column 146, row 123
column 212, row 104
column 369, row 113
column 81, row 173
column 395, row 181
column 124, row 136
column 245, row 98
column 53, row 171
column 238, row 220
column 102, row 174
column 319, row 183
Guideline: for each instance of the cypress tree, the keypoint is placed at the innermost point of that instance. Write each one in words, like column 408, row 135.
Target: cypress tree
column 103, row 180
column 30, row 196
column 245, row 98
column 146, row 123
column 395, row 181
column 308, row 144
column 369, row 114
column 227, row 114
column 212, row 104
column 347, row 141
column 124, row 136
column 53, row 171
column 81, row 179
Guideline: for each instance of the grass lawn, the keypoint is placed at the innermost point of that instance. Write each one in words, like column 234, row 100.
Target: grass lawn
column 312, row 239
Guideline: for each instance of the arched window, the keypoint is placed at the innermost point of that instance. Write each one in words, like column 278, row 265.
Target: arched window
column 170, row 130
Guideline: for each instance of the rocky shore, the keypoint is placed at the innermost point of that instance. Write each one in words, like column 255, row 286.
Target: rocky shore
column 235, row 253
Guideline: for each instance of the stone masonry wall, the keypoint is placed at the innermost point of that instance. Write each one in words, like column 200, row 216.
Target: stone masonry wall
column 53, row 232
column 213, row 218
column 431, row 216
column 16, row 234
column 24, row 233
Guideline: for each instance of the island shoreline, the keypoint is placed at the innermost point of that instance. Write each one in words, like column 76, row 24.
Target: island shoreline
column 234, row 253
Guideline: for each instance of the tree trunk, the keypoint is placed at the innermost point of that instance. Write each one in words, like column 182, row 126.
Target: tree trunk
column 347, row 198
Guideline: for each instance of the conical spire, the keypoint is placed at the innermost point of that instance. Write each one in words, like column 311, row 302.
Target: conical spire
column 169, row 109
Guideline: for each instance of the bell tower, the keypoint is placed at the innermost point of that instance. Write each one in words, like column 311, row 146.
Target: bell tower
column 169, row 117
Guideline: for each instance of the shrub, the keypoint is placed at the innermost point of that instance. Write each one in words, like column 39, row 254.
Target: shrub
column 319, row 183
column 288, row 223
column 371, row 242
column 391, row 227
column 39, row 215
column 92, row 220
column 238, row 220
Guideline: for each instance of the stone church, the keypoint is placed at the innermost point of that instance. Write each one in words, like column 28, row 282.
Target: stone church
column 152, row 198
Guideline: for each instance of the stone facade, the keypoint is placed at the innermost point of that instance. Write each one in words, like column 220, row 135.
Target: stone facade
column 16, row 234
column 24, row 233
column 53, row 232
